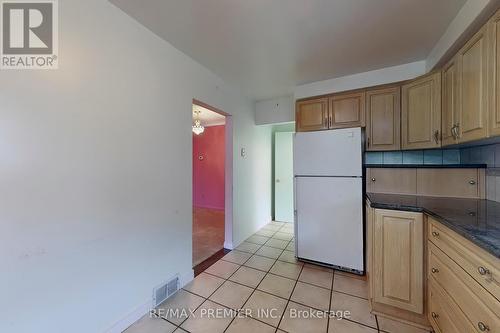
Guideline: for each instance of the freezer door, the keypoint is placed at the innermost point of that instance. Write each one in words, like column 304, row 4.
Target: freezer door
column 328, row 153
column 329, row 220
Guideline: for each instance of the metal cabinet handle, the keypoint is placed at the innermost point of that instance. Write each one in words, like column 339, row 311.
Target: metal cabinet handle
column 436, row 136
column 434, row 315
column 368, row 141
column 373, row 179
column 457, row 126
column 482, row 327
column 483, row 271
column 330, row 121
column 435, row 234
column 435, row 270
column 472, row 182
column 453, row 131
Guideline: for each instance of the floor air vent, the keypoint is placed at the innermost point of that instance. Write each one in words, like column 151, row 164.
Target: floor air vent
column 165, row 290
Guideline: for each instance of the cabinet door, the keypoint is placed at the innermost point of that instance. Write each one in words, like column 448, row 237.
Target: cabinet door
column 370, row 217
column 421, row 113
column 311, row 115
column 473, row 82
column 398, row 262
column 392, row 180
column 347, row 110
column 494, row 99
column 383, row 114
column 450, row 99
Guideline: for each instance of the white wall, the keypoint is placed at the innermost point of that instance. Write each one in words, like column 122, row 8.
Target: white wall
column 274, row 111
column 95, row 173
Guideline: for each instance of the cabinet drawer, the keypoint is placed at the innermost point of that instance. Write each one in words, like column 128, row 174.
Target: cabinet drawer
column 400, row 181
column 478, row 305
column 461, row 183
column 444, row 314
column 482, row 266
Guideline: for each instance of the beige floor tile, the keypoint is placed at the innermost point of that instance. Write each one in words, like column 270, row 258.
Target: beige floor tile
column 209, row 318
column 231, row 295
column 286, row 269
column 248, row 276
column 277, row 243
column 317, row 277
column 150, row 325
column 180, row 330
column 222, row 268
column 288, row 256
column 248, row 247
column 283, row 236
column 297, row 319
column 351, row 275
column 392, row 326
column 257, row 239
column 265, row 233
column 271, row 227
column 291, row 246
column 183, row 301
column 315, row 297
column 265, row 307
column 359, row 308
column 237, row 257
column 269, row 252
column 318, row 267
column 249, row 325
column 277, row 285
column 346, row 326
column 277, row 223
column 350, row 286
column 258, row 262
column 204, row 284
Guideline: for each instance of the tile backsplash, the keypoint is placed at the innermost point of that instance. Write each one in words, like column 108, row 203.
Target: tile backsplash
column 434, row 157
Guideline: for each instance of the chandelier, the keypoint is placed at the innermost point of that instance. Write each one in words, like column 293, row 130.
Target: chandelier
column 197, row 127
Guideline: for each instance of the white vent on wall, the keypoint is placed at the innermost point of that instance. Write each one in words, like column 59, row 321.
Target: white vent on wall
column 165, row 290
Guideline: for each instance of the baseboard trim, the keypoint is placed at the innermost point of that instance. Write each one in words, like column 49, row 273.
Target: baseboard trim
column 143, row 309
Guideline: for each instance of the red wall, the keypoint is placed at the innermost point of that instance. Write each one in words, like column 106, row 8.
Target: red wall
column 208, row 174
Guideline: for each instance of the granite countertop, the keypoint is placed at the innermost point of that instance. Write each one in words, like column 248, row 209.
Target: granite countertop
column 428, row 166
column 477, row 220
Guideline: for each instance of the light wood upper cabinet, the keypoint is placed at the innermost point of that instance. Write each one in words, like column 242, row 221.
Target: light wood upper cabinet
column 494, row 71
column 311, row 115
column 473, row 88
column 383, row 115
column 347, row 110
column 421, row 113
column 398, row 260
column 449, row 110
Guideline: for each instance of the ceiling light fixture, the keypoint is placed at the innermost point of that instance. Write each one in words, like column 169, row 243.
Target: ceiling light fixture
column 197, row 127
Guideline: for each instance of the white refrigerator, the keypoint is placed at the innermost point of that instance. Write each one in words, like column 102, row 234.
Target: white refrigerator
column 329, row 198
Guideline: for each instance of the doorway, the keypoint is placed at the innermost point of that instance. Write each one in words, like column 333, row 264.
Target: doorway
column 283, row 177
column 212, row 220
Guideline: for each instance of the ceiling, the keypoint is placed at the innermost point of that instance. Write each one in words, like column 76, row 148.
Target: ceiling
column 208, row 117
column 267, row 47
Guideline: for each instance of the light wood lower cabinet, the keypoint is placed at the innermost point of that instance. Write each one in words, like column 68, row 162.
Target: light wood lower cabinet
column 421, row 113
column 464, row 284
column 398, row 260
column 383, row 115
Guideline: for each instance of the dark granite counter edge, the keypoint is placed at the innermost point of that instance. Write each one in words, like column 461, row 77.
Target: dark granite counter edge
column 428, row 166
column 492, row 250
